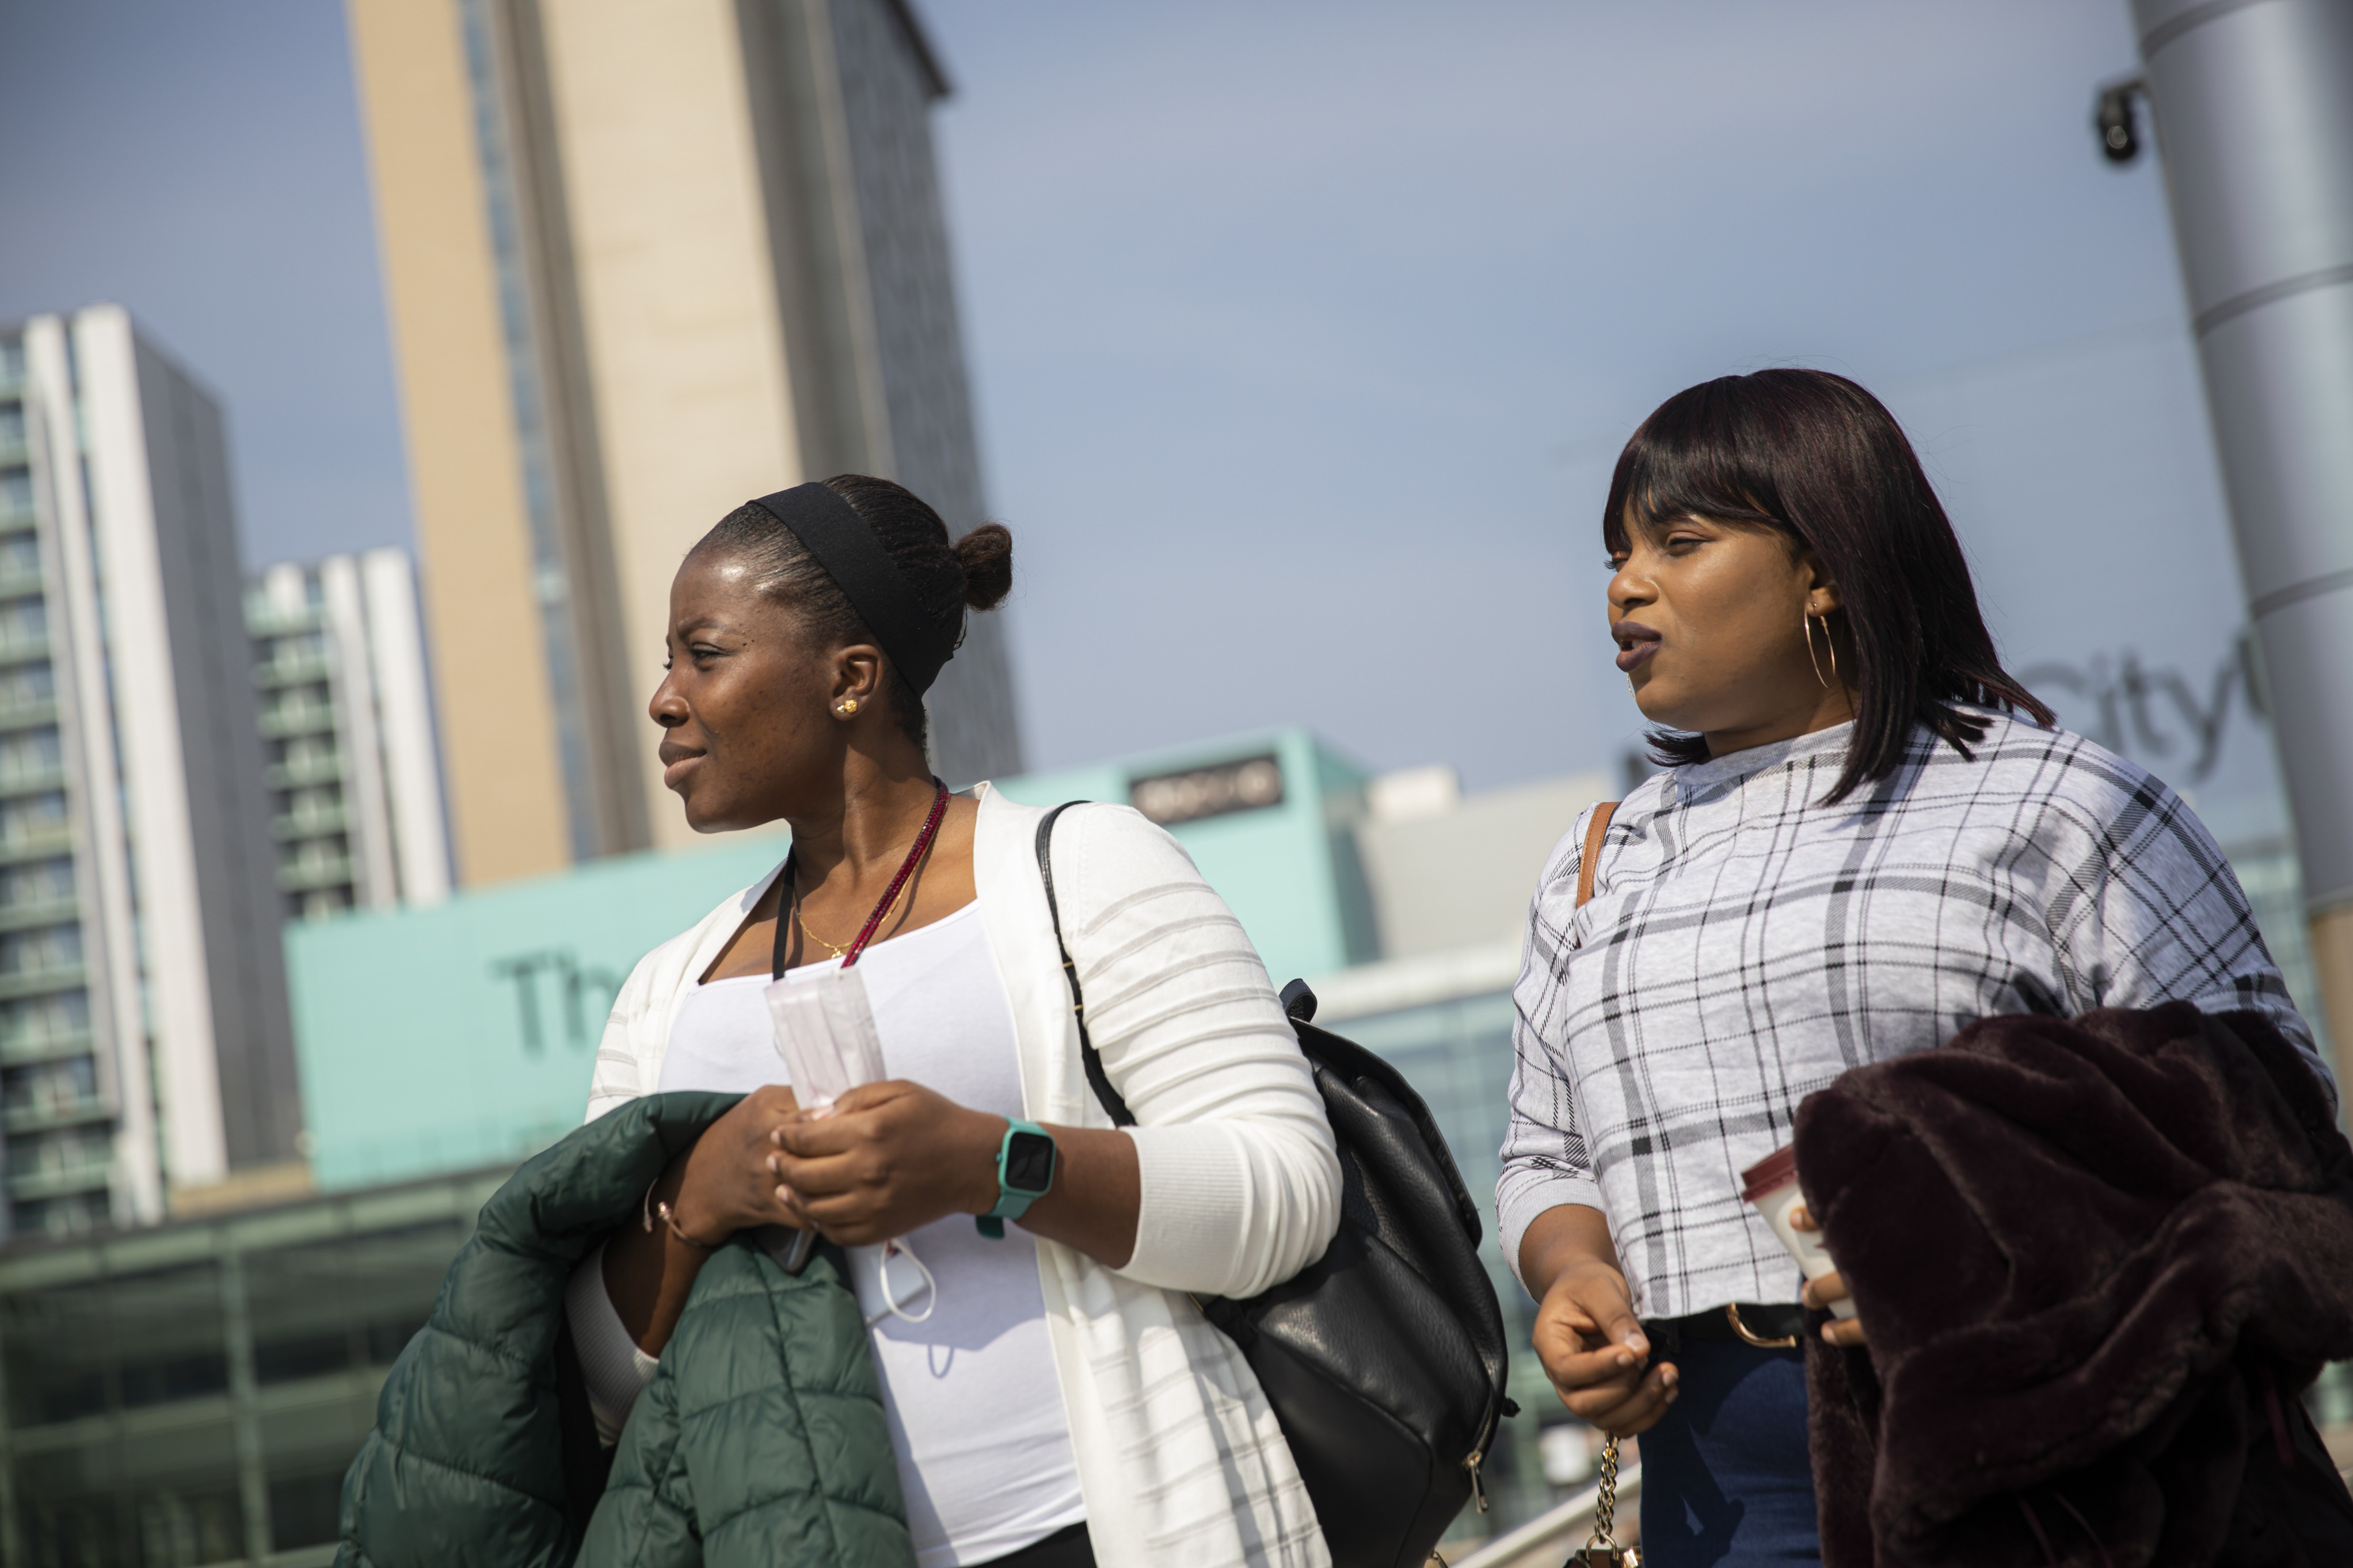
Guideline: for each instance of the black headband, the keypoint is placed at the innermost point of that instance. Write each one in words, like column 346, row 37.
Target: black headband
column 838, row 537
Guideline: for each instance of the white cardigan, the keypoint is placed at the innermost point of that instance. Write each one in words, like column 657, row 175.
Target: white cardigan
column 1180, row 1459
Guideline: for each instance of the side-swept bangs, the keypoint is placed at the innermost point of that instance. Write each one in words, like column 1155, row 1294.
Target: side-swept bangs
column 1665, row 474
column 1816, row 457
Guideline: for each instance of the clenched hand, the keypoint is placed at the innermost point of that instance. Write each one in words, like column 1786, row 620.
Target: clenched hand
column 884, row 1160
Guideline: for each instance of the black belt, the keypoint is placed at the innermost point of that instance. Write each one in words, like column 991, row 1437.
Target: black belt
column 1761, row 1327
column 1069, row 1547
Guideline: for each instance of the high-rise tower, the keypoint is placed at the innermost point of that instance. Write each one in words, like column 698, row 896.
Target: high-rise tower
column 347, row 720
column 144, row 1044
column 645, row 262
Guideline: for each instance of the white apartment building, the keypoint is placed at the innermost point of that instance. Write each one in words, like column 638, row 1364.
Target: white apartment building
column 347, row 734
column 144, row 1041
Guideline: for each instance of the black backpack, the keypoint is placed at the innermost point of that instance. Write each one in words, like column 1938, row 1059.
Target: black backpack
column 1383, row 1359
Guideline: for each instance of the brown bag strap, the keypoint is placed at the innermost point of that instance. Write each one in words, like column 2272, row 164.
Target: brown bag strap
column 1593, row 832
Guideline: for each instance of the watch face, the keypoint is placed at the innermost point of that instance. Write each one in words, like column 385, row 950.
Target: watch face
column 1029, row 1163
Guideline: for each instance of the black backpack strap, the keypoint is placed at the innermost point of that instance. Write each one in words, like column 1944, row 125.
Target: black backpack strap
column 1106, row 1096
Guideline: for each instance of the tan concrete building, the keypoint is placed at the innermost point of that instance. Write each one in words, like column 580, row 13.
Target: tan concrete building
column 645, row 262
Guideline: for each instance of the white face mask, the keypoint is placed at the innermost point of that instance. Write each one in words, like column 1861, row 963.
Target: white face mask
column 825, row 1032
column 826, row 1035
column 923, row 1287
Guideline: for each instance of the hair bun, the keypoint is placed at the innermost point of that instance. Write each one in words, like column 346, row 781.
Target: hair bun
column 987, row 556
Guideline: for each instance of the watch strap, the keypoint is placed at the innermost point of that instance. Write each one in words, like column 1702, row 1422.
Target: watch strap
column 1013, row 1202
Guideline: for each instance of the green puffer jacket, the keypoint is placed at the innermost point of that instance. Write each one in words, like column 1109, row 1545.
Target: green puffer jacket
column 760, row 1441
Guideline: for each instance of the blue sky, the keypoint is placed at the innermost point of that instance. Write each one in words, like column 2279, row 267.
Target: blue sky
column 1304, row 333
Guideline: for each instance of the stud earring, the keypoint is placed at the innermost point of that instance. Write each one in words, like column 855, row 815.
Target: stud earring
column 848, row 706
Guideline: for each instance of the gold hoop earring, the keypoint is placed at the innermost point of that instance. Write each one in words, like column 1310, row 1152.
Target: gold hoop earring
column 1806, row 619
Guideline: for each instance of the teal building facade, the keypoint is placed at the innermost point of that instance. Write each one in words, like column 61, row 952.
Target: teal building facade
column 462, row 1035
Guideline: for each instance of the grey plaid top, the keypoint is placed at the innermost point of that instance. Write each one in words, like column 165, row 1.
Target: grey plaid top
column 1746, row 944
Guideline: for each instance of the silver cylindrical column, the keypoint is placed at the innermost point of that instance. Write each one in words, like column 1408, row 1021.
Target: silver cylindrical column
column 2253, row 102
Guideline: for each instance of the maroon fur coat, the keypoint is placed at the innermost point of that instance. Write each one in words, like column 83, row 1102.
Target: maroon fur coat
column 2097, row 1260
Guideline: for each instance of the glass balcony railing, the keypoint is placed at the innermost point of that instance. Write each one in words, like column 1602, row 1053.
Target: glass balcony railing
column 88, row 1173
column 44, row 981
column 264, row 620
column 300, row 773
column 317, row 822
column 21, row 914
column 55, row 1046
column 36, row 844
column 289, row 719
column 31, row 781
column 28, row 713
column 305, row 669
column 324, row 871
column 47, row 1115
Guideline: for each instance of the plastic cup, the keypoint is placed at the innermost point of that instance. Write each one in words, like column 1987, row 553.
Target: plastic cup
column 1771, row 1184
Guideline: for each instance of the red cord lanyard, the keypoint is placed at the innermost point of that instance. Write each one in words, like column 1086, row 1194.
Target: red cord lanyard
column 890, row 896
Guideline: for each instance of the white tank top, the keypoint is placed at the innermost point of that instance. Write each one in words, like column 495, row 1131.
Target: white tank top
column 974, row 1402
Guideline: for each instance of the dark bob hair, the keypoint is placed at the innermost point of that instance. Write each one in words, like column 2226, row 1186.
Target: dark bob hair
column 1816, row 457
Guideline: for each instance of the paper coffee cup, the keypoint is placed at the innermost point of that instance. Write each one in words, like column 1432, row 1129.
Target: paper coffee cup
column 1771, row 1184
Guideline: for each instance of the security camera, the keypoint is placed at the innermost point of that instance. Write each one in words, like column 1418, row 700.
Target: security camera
column 2114, row 119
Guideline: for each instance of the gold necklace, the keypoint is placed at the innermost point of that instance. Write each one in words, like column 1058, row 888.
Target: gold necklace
column 847, row 952
column 837, row 949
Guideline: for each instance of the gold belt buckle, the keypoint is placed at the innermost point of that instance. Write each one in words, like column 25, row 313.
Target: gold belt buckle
column 1732, row 1315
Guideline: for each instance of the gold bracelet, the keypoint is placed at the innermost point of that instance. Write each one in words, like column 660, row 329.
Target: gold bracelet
column 649, row 1210
column 670, row 1219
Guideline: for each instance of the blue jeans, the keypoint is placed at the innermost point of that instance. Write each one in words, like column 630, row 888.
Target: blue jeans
column 1726, row 1479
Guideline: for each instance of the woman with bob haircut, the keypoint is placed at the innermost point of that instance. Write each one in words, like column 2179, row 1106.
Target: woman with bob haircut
column 1053, row 1396
column 1867, row 835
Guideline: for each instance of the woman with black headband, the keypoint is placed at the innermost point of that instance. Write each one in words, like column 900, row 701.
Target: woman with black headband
column 1053, row 1396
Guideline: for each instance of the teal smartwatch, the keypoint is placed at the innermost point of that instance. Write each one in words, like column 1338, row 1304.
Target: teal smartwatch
column 1025, row 1172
